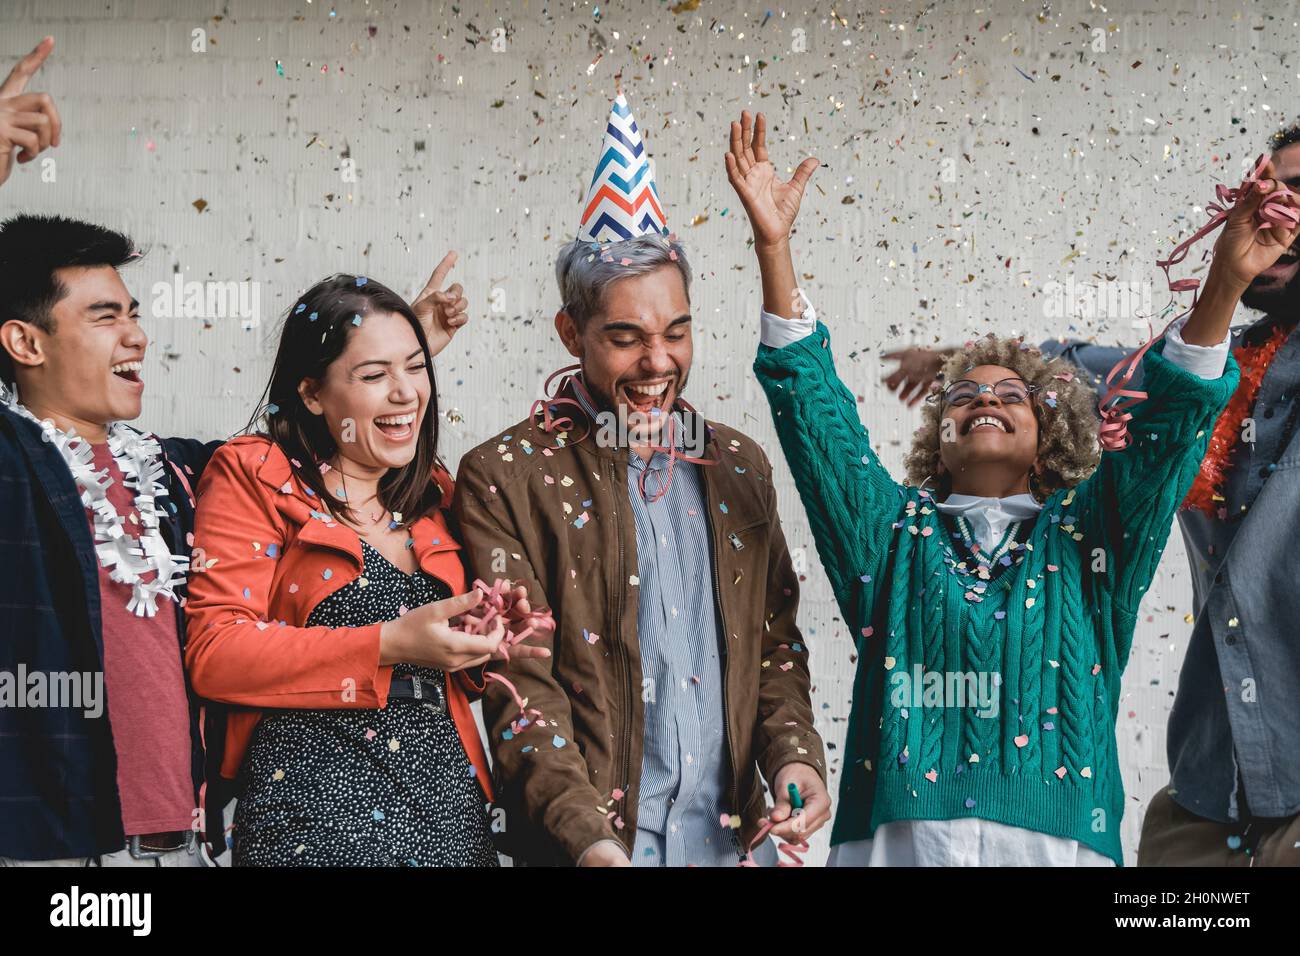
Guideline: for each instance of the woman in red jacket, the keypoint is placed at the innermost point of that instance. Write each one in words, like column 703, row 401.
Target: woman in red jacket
column 324, row 590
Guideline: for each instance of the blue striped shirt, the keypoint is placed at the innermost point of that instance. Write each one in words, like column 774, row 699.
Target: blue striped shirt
column 684, row 769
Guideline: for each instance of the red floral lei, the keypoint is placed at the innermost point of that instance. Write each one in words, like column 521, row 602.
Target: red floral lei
column 1207, row 492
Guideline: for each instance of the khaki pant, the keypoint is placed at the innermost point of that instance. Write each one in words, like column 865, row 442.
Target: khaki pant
column 1174, row 836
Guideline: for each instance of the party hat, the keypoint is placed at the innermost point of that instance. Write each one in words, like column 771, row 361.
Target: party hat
column 622, row 202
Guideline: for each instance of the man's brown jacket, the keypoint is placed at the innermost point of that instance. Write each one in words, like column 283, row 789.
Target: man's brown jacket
column 558, row 520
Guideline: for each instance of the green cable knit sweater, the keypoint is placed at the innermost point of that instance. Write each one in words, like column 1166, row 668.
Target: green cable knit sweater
column 1049, row 629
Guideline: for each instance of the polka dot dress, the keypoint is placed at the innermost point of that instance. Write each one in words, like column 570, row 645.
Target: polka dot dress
column 388, row 787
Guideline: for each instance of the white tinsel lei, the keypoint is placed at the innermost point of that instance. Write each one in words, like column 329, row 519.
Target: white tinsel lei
column 127, row 559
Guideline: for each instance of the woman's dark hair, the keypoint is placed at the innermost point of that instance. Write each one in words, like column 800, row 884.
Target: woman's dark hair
column 314, row 334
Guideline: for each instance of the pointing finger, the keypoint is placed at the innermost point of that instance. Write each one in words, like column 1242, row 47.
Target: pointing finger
column 26, row 68
column 440, row 272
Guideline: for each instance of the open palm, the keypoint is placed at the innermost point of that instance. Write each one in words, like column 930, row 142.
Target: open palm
column 772, row 205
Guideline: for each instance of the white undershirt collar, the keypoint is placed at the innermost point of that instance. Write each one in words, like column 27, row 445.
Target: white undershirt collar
column 989, row 518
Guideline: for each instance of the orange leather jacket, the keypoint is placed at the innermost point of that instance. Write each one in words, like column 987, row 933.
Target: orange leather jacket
column 264, row 556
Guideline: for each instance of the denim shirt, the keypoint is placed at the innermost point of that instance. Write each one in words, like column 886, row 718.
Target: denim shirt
column 1234, row 731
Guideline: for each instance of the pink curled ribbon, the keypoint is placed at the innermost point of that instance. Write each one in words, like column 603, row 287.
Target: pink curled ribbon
column 794, row 851
column 550, row 400
column 1272, row 212
column 493, row 606
column 673, row 456
column 546, row 405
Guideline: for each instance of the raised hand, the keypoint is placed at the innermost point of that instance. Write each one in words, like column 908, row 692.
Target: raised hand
column 1243, row 250
column 772, row 205
column 441, row 311
column 29, row 123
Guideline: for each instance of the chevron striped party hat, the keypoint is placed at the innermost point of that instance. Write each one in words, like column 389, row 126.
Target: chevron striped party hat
column 622, row 202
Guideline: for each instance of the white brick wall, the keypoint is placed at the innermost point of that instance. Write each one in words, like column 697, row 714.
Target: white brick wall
column 1129, row 141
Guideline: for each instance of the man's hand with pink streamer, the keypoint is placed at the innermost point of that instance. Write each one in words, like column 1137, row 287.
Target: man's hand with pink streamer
column 1259, row 229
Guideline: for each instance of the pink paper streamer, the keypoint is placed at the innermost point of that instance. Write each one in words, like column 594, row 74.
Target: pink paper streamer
column 1273, row 211
column 794, row 851
column 481, row 621
column 551, row 398
column 543, row 406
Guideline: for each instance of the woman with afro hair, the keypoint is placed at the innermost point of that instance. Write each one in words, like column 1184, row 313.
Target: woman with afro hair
column 993, row 595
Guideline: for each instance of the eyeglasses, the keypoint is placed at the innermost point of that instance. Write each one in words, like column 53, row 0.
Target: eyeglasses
column 1009, row 391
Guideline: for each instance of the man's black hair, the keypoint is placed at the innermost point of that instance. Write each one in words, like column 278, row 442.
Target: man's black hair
column 31, row 249
column 1284, row 137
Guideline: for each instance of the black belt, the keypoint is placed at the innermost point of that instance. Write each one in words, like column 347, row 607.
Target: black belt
column 425, row 692
column 150, row 846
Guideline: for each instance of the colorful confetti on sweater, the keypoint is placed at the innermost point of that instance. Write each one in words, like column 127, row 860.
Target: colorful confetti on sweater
column 1051, row 627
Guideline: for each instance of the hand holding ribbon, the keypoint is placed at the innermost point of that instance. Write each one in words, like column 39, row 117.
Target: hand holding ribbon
column 502, row 604
column 1262, row 221
column 793, row 851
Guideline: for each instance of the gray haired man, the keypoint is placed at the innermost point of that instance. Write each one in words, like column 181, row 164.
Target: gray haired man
column 678, row 675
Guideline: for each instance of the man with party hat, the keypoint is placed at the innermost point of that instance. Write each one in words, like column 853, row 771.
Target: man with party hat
column 678, row 681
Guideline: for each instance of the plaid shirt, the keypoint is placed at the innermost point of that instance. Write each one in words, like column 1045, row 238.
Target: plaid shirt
column 58, row 767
